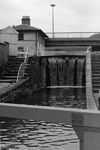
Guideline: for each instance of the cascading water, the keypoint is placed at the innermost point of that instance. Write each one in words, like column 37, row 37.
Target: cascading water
column 61, row 69
column 52, row 71
column 80, row 71
column 71, row 71
column 67, row 71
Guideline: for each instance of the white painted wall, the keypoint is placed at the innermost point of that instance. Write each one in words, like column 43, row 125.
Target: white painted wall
column 28, row 44
column 11, row 36
column 34, row 41
column 40, row 45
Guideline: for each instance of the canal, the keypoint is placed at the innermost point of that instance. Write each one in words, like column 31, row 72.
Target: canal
column 40, row 135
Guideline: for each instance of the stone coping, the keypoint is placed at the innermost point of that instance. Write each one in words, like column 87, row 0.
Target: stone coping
column 8, row 88
column 89, row 94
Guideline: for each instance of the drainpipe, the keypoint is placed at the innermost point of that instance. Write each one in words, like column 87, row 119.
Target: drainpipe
column 36, row 44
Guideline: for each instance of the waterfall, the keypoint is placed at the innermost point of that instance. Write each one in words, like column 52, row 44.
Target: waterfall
column 80, row 71
column 67, row 71
column 71, row 71
column 61, row 70
column 52, row 67
column 42, row 77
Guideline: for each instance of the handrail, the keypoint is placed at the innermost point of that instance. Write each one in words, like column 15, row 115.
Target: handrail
column 22, row 67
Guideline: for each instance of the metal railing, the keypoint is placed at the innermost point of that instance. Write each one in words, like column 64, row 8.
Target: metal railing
column 71, row 34
column 21, row 71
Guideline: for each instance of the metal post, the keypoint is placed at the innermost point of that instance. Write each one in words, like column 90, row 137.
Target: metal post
column 53, row 5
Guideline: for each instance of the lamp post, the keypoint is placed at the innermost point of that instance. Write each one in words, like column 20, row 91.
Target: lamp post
column 53, row 5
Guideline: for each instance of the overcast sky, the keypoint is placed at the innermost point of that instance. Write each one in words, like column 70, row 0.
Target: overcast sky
column 70, row 15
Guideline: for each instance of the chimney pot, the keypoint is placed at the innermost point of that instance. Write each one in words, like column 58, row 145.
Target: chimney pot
column 26, row 20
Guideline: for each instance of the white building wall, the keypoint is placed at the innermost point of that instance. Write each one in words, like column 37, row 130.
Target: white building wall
column 40, row 45
column 13, row 49
column 32, row 40
column 11, row 36
column 31, row 36
column 28, row 44
column 35, row 42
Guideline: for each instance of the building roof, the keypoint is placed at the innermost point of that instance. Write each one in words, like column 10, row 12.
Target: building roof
column 25, row 27
column 7, row 30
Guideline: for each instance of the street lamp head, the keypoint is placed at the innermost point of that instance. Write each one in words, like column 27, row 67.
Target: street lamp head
column 52, row 5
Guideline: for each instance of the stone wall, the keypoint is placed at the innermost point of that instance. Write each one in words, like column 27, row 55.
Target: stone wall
column 37, row 73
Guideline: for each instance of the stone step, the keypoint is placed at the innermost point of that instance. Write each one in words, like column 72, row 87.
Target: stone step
column 14, row 65
column 95, row 56
column 95, row 75
column 95, row 72
column 13, row 71
column 96, row 68
column 12, row 74
column 96, row 82
column 95, row 65
column 7, row 81
column 9, row 77
column 10, row 58
column 96, row 87
column 95, row 60
column 13, row 68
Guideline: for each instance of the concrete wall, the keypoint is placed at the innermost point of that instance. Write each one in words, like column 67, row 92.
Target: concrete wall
column 11, row 36
column 30, row 44
column 65, row 50
column 37, row 73
column 89, row 92
column 40, row 45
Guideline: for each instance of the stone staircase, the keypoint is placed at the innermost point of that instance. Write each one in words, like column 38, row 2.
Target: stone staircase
column 95, row 62
column 9, row 73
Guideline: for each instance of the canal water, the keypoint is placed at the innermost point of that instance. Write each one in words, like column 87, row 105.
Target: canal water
column 40, row 135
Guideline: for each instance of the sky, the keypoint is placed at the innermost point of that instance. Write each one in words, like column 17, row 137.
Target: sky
column 69, row 15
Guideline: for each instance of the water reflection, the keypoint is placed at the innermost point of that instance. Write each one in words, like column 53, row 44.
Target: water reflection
column 32, row 135
column 58, row 97
column 40, row 135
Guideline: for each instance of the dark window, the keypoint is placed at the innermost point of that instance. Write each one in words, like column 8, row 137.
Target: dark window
column 20, row 49
column 21, row 36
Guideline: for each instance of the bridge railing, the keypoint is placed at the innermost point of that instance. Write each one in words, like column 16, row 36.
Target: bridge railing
column 71, row 34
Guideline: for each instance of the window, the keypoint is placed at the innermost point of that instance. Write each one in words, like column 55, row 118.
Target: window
column 20, row 49
column 20, row 52
column 21, row 36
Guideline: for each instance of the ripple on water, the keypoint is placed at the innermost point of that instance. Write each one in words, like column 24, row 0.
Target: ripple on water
column 41, row 135
column 44, row 135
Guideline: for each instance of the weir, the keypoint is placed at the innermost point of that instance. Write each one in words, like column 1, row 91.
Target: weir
column 65, row 71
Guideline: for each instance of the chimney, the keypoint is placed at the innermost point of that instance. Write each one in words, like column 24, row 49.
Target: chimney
column 26, row 20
